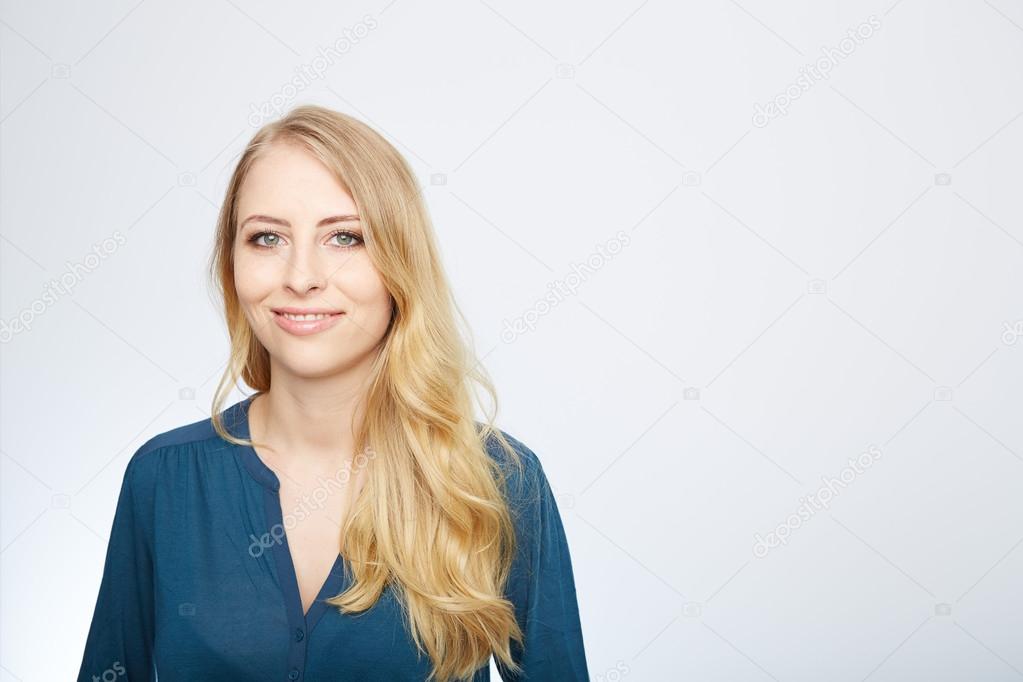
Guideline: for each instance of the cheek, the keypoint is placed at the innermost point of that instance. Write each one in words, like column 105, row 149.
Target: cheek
column 369, row 299
column 253, row 277
column 363, row 286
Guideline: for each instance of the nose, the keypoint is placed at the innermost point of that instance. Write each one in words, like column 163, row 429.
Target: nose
column 306, row 269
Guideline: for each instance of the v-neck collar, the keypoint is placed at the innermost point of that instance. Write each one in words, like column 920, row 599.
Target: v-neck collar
column 237, row 416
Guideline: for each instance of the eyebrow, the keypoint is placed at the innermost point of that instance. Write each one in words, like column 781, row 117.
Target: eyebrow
column 279, row 221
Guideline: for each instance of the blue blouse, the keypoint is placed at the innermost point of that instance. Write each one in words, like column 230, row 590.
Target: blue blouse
column 192, row 592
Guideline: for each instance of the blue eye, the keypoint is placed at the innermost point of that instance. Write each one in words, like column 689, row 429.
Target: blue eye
column 346, row 233
column 275, row 238
column 267, row 233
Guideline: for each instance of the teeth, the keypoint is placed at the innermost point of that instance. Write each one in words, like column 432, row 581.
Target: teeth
column 302, row 318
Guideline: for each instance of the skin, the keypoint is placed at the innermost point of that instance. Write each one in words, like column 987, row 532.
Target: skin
column 317, row 380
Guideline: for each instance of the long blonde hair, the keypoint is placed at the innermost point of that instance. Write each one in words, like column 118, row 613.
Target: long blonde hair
column 431, row 519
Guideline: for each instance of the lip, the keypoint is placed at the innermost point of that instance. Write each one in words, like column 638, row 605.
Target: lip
column 305, row 311
column 305, row 327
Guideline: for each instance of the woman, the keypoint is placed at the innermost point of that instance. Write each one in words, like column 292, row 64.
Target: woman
column 350, row 520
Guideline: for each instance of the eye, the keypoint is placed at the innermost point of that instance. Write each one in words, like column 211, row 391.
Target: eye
column 354, row 239
column 275, row 238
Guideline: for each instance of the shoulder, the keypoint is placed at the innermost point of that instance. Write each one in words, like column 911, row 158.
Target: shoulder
column 187, row 440
column 525, row 481
column 529, row 460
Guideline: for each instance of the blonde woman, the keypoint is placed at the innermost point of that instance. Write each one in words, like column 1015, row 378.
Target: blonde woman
column 350, row 520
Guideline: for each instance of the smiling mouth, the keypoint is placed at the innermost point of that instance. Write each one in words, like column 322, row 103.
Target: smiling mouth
column 306, row 317
column 297, row 322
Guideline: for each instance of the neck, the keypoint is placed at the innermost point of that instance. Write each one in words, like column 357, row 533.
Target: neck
column 307, row 432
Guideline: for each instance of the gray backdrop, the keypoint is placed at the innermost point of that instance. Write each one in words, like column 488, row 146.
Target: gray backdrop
column 747, row 275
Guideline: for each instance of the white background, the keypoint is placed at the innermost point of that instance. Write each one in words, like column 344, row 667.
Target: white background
column 848, row 275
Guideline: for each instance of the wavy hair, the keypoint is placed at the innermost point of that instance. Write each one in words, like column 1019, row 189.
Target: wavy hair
column 431, row 519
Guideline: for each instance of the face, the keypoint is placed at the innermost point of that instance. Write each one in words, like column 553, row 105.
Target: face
column 299, row 249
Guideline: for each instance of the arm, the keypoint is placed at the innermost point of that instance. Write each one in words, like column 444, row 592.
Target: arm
column 543, row 590
column 120, row 641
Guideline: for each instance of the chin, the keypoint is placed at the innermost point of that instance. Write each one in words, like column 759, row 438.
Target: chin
column 312, row 366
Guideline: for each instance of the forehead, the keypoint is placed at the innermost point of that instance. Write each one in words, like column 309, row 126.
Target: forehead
column 287, row 181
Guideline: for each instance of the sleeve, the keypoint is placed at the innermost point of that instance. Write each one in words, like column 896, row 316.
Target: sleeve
column 120, row 640
column 542, row 587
